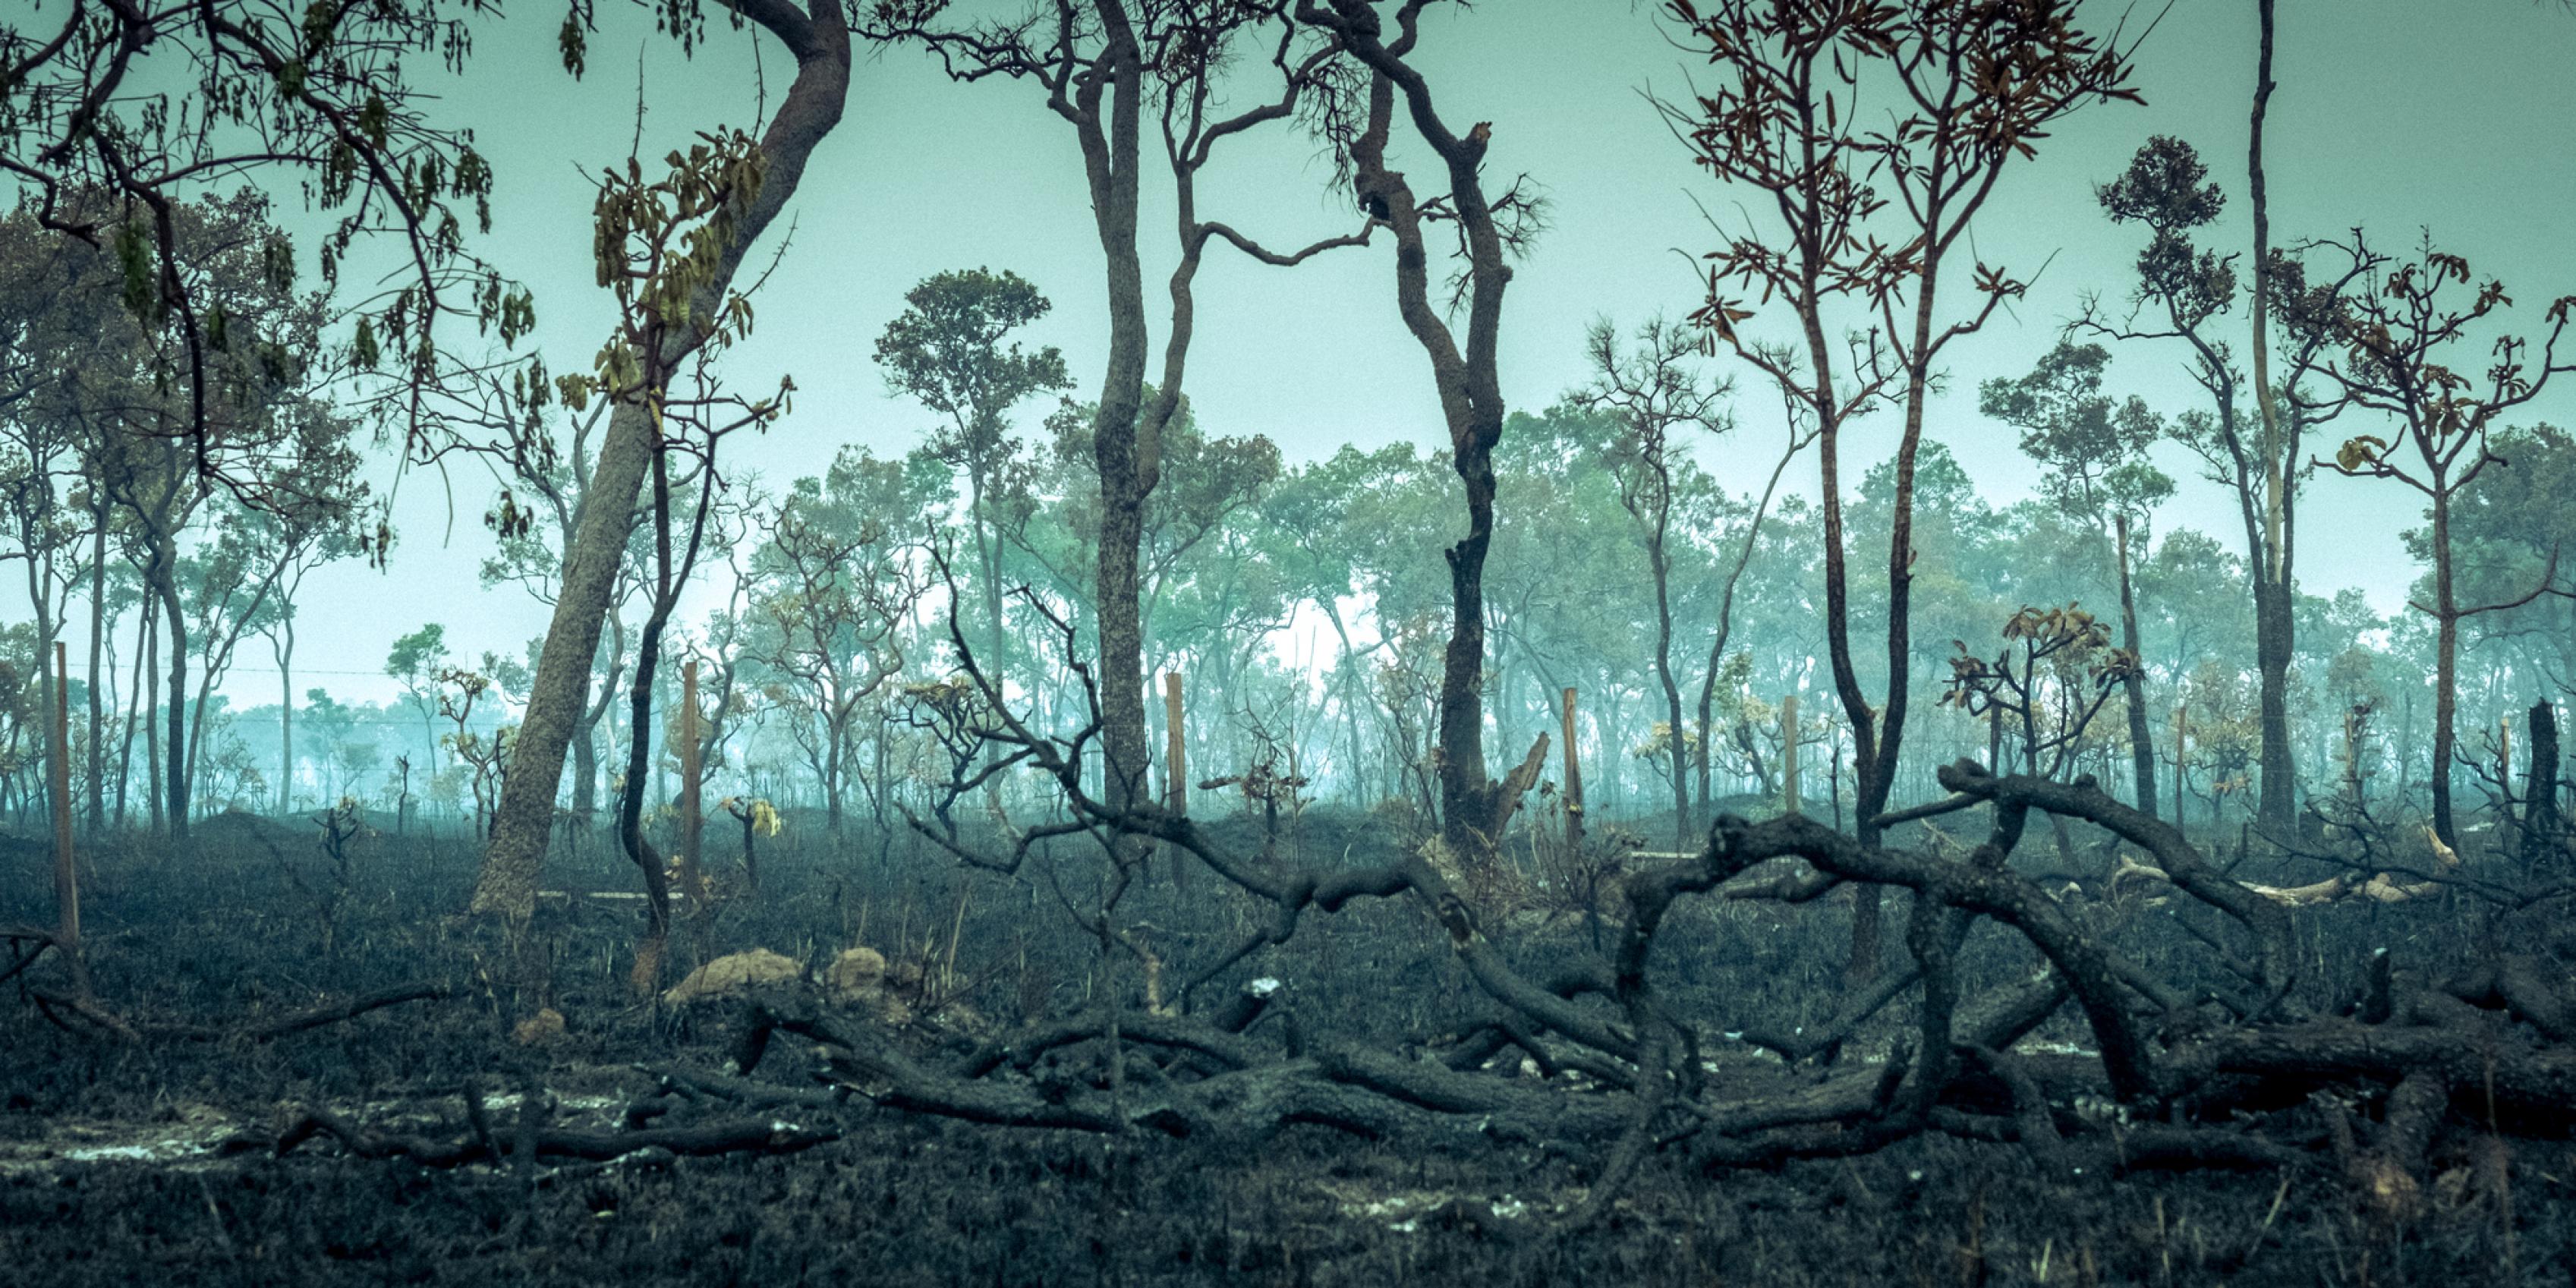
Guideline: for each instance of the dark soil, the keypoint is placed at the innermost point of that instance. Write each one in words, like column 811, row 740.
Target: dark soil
column 148, row 1164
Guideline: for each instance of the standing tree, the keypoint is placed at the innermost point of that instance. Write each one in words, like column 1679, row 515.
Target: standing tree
column 834, row 587
column 253, row 421
column 1493, row 228
column 2260, row 464
column 300, row 539
column 2095, row 454
column 1973, row 86
column 1099, row 62
column 945, row 350
column 1657, row 392
column 671, row 309
column 415, row 662
column 2398, row 333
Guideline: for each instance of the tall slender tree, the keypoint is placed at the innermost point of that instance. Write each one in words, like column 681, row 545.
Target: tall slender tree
column 946, row 351
column 2399, row 334
column 1493, row 228
column 1106, row 67
column 2095, row 454
column 1658, row 394
column 1868, row 218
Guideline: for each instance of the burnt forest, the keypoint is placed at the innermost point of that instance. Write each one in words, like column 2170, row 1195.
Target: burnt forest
column 1287, row 642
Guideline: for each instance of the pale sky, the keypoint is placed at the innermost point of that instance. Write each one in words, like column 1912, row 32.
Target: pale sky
column 2393, row 114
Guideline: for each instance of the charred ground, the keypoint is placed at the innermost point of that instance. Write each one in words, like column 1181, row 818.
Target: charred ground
column 160, row 1158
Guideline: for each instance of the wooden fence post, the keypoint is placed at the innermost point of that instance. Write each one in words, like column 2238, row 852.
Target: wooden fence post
column 1573, row 788
column 2182, row 723
column 692, row 818
column 1176, row 772
column 1789, row 754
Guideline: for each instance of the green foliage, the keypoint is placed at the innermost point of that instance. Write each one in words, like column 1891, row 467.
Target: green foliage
column 946, row 350
column 660, row 248
column 2093, row 449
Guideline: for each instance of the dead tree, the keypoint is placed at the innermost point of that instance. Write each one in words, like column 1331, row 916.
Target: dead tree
column 2543, row 831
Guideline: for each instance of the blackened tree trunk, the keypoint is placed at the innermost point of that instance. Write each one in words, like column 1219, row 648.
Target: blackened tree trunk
column 2540, row 822
column 2142, row 749
column 98, row 625
column 1679, row 731
column 1126, row 448
column 163, row 574
column 2273, row 621
column 2446, row 665
column 285, row 648
column 1726, row 613
column 1095, row 76
column 646, row 974
column 1474, row 808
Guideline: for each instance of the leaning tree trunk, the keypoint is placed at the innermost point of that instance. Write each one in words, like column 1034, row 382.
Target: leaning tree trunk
column 585, row 772
column 507, row 884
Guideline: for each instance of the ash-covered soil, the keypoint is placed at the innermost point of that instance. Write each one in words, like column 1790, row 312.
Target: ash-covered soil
column 155, row 1162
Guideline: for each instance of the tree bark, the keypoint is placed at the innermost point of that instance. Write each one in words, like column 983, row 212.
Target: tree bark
column 2273, row 623
column 507, row 884
column 286, row 719
column 1126, row 445
column 97, row 643
column 2142, row 746
column 2446, row 665
column 2540, row 823
column 174, row 788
